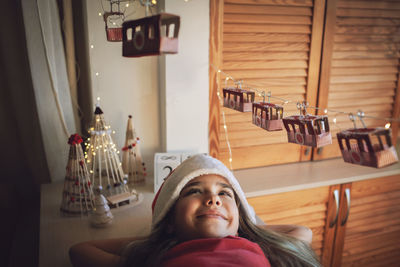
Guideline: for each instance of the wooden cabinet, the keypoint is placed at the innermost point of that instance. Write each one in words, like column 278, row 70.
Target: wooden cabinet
column 354, row 224
column 339, row 55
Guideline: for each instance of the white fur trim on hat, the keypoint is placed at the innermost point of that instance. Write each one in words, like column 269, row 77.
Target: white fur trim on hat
column 191, row 168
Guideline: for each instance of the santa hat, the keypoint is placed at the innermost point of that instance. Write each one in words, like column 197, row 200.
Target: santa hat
column 191, row 168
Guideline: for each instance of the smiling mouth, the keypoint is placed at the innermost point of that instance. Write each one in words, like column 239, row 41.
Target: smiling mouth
column 211, row 216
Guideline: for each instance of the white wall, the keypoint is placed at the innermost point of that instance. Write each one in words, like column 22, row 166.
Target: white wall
column 167, row 95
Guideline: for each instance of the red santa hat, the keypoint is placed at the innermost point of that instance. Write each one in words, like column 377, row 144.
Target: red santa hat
column 191, row 168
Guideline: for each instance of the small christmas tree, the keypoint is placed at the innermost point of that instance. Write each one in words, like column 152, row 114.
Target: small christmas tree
column 105, row 168
column 102, row 215
column 132, row 162
column 77, row 197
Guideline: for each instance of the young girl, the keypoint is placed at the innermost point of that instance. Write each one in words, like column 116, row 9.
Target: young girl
column 201, row 218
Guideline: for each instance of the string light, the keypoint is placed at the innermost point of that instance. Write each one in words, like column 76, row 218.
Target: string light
column 92, row 46
column 97, row 74
column 100, row 14
column 387, row 125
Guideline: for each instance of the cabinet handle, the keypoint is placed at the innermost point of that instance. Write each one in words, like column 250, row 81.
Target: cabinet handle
column 347, row 194
column 336, row 196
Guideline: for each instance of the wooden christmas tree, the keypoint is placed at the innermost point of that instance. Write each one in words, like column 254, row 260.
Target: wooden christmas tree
column 132, row 162
column 77, row 197
column 104, row 165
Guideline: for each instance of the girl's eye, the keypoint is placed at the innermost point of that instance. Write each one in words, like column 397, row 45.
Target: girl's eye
column 192, row 191
column 225, row 193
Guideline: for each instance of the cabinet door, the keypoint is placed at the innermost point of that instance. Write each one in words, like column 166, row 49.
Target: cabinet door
column 306, row 207
column 271, row 46
column 372, row 232
column 359, row 69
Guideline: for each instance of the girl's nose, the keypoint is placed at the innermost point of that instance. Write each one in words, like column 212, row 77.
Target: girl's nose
column 213, row 200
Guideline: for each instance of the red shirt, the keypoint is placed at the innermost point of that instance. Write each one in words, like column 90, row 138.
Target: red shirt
column 211, row 252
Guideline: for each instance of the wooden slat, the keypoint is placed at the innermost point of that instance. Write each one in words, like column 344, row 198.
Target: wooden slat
column 368, row 13
column 376, row 5
column 265, row 47
column 294, row 61
column 267, row 28
column 263, row 37
column 271, row 2
column 266, row 19
column 267, row 10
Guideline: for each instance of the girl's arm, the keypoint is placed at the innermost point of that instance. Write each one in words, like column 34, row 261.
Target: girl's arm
column 98, row 253
column 300, row 232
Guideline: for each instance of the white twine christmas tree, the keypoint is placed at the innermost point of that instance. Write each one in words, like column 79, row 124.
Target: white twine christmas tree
column 104, row 165
column 132, row 163
column 77, row 197
column 102, row 215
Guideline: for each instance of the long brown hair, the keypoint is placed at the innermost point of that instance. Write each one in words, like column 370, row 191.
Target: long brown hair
column 281, row 250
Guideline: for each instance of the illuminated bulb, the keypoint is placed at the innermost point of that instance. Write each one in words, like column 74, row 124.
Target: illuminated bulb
column 127, row 5
column 91, row 171
column 153, row 2
column 88, row 139
column 88, row 161
column 325, row 111
column 225, row 127
column 85, row 156
column 99, row 14
column 219, row 71
column 113, row 132
column 97, row 120
column 334, row 120
column 117, row 152
column 387, row 125
column 114, row 23
column 227, row 79
column 105, row 150
column 92, row 46
column 97, row 74
column 286, row 102
column 120, row 164
column 98, row 98
column 230, row 159
column 94, row 153
column 218, row 94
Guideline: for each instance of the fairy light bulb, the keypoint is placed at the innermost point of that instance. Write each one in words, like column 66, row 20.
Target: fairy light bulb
column 325, row 111
column 387, row 125
column 97, row 74
column 92, row 46
column 227, row 79
column 219, row 71
column 127, row 5
column 218, row 94
column 100, row 14
column 230, row 159
column 225, row 126
column 334, row 120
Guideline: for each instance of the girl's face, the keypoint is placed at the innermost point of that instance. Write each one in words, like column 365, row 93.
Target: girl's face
column 206, row 208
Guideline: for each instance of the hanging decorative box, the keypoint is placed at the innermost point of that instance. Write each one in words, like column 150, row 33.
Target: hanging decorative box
column 114, row 33
column 238, row 99
column 267, row 116
column 155, row 35
column 367, row 146
column 308, row 130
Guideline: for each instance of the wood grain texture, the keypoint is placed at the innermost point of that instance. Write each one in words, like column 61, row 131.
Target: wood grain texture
column 363, row 71
column 216, row 24
column 305, row 207
column 272, row 46
column 373, row 228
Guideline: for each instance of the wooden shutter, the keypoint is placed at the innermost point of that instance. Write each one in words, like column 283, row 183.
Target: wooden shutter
column 305, row 207
column 360, row 64
column 272, row 46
